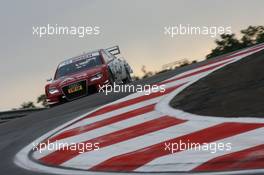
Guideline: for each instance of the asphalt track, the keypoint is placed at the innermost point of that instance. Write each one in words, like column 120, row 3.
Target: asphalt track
column 18, row 133
column 228, row 92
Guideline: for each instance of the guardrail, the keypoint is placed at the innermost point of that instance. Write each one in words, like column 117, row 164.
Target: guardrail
column 9, row 115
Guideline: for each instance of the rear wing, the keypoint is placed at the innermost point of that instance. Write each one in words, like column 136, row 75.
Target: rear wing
column 114, row 50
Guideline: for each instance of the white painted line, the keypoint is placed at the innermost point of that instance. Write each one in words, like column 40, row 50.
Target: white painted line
column 102, row 131
column 90, row 159
column 113, row 113
column 190, row 159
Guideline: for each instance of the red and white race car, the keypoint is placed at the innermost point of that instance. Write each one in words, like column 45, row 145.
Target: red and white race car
column 78, row 76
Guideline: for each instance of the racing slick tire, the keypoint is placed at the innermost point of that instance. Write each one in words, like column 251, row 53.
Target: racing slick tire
column 111, row 78
column 128, row 79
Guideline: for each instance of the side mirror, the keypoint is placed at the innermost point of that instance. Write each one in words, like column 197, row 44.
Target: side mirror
column 49, row 79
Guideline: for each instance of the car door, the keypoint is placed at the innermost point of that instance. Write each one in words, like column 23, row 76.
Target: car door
column 114, row 65
column 117, row 68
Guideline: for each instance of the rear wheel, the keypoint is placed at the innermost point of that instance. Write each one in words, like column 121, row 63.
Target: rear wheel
column 111, row 78
column 128, row 79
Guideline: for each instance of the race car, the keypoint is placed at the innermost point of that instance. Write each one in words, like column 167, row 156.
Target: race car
column 85, row 74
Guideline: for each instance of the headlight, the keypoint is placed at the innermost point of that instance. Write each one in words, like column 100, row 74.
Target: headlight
column 96, row 76
column 53, row 90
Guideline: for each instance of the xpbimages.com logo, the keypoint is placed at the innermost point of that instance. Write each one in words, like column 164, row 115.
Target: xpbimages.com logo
column 130, row 88
column 188, row 29
column 79, row 31
column 72, row 146
column 213, row 147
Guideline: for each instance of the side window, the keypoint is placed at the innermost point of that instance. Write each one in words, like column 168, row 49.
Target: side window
column 107, row 57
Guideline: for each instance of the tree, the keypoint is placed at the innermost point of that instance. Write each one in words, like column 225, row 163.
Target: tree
column 228, row 42
column 185, row 63
column 43, row 100
column 252, row 35
column 27, row 105
column 146, row 73
column 135, row 78
column 260, row 36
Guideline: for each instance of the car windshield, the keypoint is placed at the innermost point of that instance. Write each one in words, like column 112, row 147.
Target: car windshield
column 72, row 67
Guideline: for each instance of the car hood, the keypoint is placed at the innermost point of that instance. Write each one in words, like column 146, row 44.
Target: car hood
column 65, row 80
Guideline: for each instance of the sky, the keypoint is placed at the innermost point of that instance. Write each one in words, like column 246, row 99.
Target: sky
column 137, row 26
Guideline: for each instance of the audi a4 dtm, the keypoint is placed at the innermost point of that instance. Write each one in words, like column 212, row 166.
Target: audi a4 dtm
column 85, row 74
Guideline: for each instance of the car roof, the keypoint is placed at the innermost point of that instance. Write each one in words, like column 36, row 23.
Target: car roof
column 79, row 57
